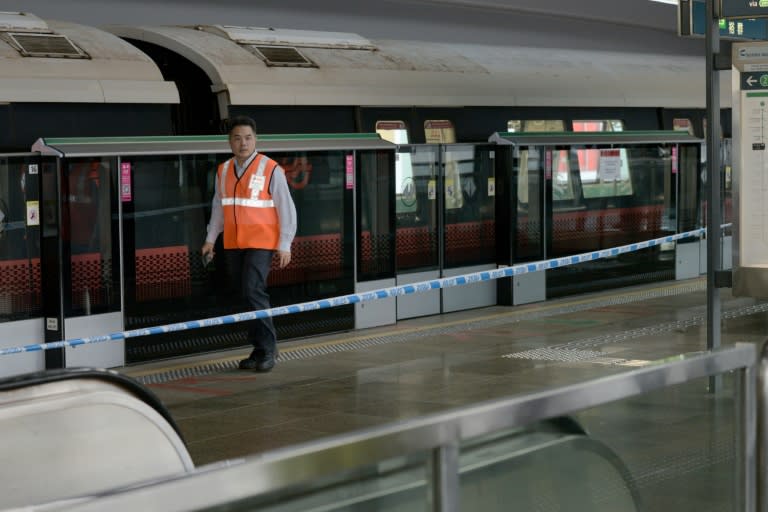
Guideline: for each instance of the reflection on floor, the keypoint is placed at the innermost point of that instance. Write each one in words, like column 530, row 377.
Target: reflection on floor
column 677, row 438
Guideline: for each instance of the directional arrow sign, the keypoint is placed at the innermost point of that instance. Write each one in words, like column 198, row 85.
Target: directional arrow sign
column 754, row 80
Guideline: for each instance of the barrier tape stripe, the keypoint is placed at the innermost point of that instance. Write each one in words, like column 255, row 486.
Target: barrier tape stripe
column 355, row 298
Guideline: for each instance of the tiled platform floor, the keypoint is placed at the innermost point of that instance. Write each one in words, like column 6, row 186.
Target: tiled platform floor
column 671, row 440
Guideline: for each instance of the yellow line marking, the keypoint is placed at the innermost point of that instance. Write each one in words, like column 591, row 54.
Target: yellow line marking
column 526, row 310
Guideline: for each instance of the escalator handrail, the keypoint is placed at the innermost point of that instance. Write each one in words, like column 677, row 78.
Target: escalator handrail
column 109, row 376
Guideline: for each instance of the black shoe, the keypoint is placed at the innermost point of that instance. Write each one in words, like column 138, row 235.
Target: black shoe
column 266, row 364
column 248, row 364
column 260, row 364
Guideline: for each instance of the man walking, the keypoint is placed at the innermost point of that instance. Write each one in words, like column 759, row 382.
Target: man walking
column 252, row 205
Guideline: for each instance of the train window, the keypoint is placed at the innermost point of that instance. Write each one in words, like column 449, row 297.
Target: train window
column 563, row 187
column 405, row 187
column 469, row 205
column 439, row 131
column 454, row 185
column 416, row 207
column 682, row 125
column 544, row 125
column 536, row 125
column 610, row 125
column 405, row 193
column 604, row 172
column 394, row 131
column 528, row 163
column 375, row 223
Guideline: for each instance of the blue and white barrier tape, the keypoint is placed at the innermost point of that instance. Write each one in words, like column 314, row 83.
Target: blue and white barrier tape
column 355, row 298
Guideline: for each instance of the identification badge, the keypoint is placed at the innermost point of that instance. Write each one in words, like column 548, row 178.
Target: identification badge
column 256, row 184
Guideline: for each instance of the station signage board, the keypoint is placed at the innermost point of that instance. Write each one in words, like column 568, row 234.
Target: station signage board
column 692, row 21
column 743, row 8
column 750, row 170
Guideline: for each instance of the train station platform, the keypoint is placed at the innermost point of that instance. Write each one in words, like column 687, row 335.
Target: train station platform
column 679, row 444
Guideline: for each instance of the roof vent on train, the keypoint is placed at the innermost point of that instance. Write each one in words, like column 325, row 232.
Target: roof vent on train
column 280, row 56
column 31, row 37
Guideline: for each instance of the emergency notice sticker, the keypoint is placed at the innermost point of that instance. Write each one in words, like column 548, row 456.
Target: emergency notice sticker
column 350, row 174
column 609, row 165
column 126, row 193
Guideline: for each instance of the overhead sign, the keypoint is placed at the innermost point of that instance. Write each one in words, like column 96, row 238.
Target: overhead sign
column 692, row 21
column 743, row 8
column 755, row 80
column 737, row 30
column 756, row 52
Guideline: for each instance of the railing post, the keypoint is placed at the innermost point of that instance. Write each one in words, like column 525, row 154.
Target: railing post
column 445, row 477
column 761, row 458
column 749, row 434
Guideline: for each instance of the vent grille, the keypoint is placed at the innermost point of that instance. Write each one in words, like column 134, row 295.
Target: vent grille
column 45, row 45
column 281, row 56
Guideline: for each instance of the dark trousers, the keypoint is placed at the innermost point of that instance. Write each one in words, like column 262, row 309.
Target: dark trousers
column 248, row 272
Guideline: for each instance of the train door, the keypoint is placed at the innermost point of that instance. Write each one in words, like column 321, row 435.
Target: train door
column 690, row 174
column 417, row 205
column 469, row 214
column 90, row 260
column 542, row 178
column 373, row 173
column 20, row 284
column 417, row 197
column 528, row 215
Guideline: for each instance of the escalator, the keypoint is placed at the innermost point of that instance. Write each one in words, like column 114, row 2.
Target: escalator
column 550, row 466
column 67, row 434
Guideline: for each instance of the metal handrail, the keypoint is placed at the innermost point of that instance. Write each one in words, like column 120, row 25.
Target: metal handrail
column 441, row 433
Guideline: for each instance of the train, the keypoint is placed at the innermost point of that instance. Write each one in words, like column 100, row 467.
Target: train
column 439, row 200
column 62, row 79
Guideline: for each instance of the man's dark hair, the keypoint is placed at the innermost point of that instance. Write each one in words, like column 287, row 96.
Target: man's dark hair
column 240, row 121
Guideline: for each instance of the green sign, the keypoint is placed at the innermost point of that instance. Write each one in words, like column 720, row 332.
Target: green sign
column 754, row 80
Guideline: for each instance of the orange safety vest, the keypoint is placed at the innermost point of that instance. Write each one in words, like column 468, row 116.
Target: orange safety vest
column 250, row 216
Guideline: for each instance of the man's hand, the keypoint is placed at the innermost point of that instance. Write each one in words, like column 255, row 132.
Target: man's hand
column 207, row 252
column 285, row 258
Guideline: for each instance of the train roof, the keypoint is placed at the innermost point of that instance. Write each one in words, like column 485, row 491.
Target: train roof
column 264, row 66
column 55, row 61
